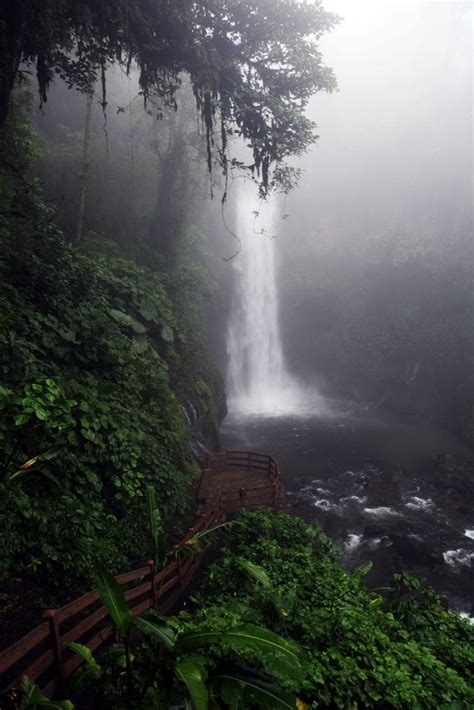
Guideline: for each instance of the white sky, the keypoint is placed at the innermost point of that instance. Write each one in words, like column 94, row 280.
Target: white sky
column 399, row 131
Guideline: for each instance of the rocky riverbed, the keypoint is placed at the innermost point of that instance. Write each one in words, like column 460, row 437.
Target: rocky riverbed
column 399, row 495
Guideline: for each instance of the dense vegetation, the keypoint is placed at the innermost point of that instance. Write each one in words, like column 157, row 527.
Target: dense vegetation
column 333, row 643
column 93, row 350
column 358, row 648
column 103, row 254
column 107, row 285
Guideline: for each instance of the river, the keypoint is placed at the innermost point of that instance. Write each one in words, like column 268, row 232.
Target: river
column 385, row 491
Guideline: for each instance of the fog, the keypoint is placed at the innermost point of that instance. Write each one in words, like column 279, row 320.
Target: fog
column 374, row 285
column 396, row 140
column 375, row 244
column 166, row 299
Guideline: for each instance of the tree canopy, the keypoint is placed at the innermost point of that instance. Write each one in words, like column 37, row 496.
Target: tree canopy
column 253, row 64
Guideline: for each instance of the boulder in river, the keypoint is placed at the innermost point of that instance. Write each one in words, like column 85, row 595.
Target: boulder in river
column 374, row 530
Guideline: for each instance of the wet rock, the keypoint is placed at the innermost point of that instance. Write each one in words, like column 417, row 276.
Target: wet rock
column 464, row 509
column 374, row 531
column 416, row 552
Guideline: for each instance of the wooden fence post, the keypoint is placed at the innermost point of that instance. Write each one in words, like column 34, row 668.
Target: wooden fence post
column 242, row 494
column 56, row 646
column 180, row 576
column 151, row 565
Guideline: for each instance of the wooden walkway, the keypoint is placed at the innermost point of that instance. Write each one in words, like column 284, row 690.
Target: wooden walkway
column 231, row 480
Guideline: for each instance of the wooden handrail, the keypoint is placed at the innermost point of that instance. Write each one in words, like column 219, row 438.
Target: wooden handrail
column 42, row 654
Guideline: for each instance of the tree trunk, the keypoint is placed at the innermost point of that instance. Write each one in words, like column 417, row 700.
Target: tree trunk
column 84, row 166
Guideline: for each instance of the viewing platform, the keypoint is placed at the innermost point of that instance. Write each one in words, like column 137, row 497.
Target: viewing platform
column 239, row 479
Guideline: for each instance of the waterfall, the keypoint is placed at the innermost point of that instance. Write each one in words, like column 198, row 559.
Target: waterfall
column 257, row 379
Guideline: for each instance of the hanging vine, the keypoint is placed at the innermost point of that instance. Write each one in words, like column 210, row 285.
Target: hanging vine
column 253, row 64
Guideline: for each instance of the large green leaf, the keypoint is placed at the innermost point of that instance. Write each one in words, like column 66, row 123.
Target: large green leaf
column 199, row 541
column 239, row 690
column 167, row 333
column 190, row 671
column 362, row 570
column 280, row 654
column 256, row 572
column 86, row 673
column 151, row 625
column 30, row 696
column 127, row 320
column 148, row 310
column 113, row 599
column 83, row 651
column 117, row 654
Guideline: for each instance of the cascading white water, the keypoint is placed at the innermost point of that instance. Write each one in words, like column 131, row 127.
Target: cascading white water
column 258, row 381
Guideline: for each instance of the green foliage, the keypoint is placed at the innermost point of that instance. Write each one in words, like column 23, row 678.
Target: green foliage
column 88, row 418
column 446, row 635
column 88, row 672
column 199, row 541
column 191, row 673
column 113, row 600
column 240, row 691
column 252, row 64
column 156, row 528
column 151, row 626
column 113, row 422
column 30, row 696
column 406, row 653
column 41, row 409
column 157, row 670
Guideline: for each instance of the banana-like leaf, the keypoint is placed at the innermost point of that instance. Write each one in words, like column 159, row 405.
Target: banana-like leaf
column 30, row 696
column 240, row 690
column 151, row 625
column 257, row 572
column 280, row 654
column 116, row 652
column 197, row 542
column 362, row 570
column 376, row 602
column 24, row 471
column 87, row 673
column 156, row 527
column 113, row 599
column 84, row 652
column 191, row 673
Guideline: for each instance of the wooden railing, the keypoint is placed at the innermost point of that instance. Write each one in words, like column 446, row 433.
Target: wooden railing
column 42, row 654
column 252, row 494
column 242, row 459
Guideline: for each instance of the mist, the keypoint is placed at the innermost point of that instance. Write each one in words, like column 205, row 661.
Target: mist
column 375, row 244
column 236, row 354
column 374, row 253
column 396, row 139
